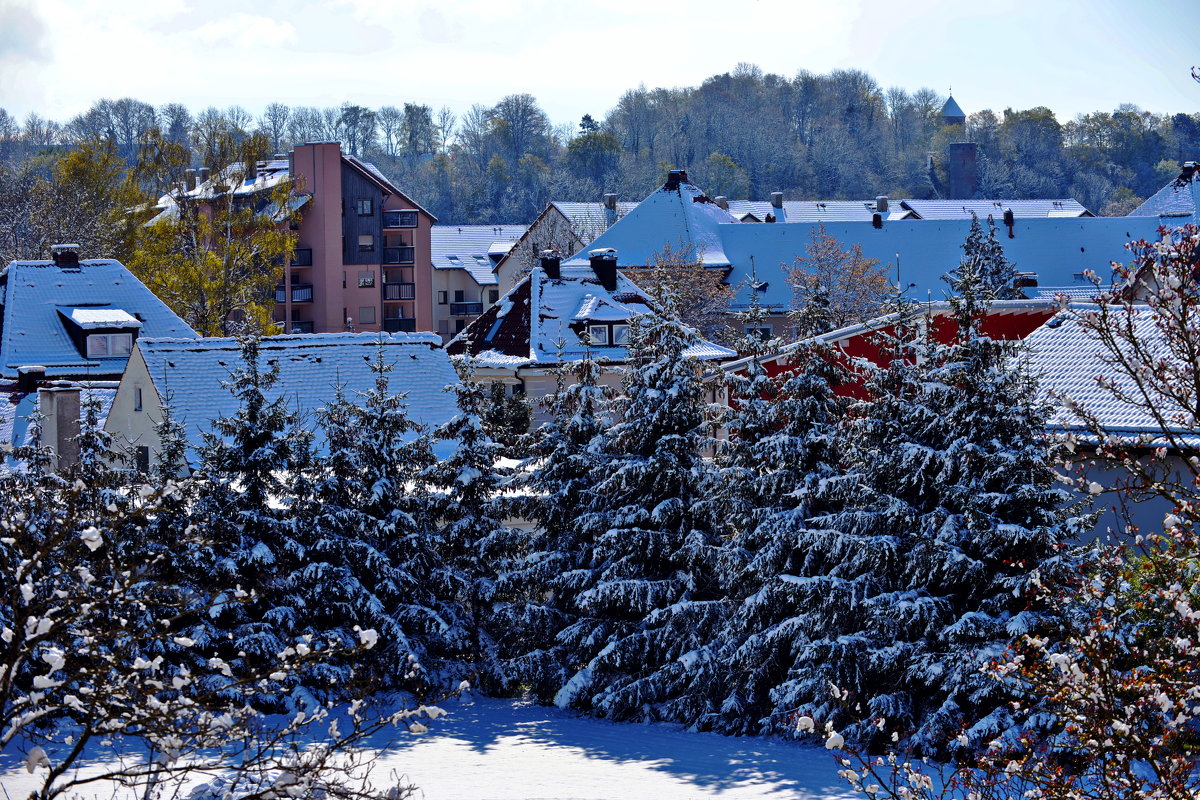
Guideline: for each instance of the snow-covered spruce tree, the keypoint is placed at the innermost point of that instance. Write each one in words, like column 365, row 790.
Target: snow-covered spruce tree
column 655, row 594
column 375, row 558
column 919, row 568
column 984, row 259
column 477, row 547
column 253, row 555
column 543, row 591
column 782, row 447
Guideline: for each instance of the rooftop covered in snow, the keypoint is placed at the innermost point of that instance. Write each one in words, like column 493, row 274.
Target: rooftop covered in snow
column 476, row 249
column 49, row 311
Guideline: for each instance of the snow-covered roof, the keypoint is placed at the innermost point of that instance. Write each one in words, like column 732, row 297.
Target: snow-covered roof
column 473, row 248
column 18, row 408
column 1179, row 201
column 589, row 220
column 815, row 210
column 92, row 317
column 1022, row 209
column 41, row 301
column 538, row 321
column 1067, row 356
column 679, row 216
column 1056, row 250
column 311, row 366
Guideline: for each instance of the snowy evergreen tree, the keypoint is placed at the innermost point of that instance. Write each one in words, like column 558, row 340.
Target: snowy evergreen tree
column 374, row 559
column 556, row 490
column 653, row 597
column 984, row 262
column 913, row 570
column 476, row 545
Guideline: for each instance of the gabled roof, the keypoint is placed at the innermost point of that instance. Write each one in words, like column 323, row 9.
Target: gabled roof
column 679, row 216
column 1067, row 357
column 473, row 248
column 589, row 220
column 532, row 323
column 375, row 174
column 1179, row 200
column 40, row 300
column 311, row 366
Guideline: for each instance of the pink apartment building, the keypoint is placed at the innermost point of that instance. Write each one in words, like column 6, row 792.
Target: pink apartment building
column 362, row 258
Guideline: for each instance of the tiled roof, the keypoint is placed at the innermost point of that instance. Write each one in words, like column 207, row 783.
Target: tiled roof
column 310, row 368
column 531, row 325
column 1179, row 200
column 37, row 295
column 589, row 220
column 18, row 408
column 1067, row 356
column 815, row 210
column 683, row 218
column 474, row 248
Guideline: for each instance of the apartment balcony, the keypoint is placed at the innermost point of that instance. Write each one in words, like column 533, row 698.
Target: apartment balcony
column 400, row 324
column 399, row 255
column 301, row 326
column 399, row 291
column 466, row 309
column 400, row 219
column 302, row 257
column 301, row 293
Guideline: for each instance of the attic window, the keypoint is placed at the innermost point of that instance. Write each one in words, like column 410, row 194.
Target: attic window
column 109, row 345
column 598, row 334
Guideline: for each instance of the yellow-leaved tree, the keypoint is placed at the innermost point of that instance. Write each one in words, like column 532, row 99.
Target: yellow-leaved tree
column 835, row 286
column 215, row 253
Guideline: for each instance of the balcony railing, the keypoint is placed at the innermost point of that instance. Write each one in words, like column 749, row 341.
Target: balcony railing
column 399, row 219
column 301, row 326
column 301, row 293
column 399, row 255
column 465, row 309
column 398, row 324
column 399, row 291
column 303, row 257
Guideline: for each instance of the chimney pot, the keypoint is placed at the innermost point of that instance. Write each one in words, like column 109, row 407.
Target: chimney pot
column 604, row 263
column 65, row 255
column 552, row 264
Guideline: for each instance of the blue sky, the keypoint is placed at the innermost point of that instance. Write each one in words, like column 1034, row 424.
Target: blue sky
column 59, row 56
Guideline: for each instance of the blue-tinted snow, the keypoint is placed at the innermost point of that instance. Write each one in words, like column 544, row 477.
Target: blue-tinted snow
column 1178, row 201
column 310, row 366
column 35, row 332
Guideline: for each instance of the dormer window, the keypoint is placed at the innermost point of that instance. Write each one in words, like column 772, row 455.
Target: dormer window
column 606, row 334
column 598, row 334
column 109, row 345
column 620, row 334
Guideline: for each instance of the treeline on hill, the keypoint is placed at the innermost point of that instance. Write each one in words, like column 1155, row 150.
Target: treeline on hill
column 741, row 134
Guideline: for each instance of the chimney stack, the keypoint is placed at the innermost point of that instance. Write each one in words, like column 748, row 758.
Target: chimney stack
column 189, row 180
column 252, row 171
column 604, row 264
column 610, row 201
column 674, row 178
column 777, row 199
column 881, row 204
column 722, row 201
column 66, row 256
column 204, row 173
column 552, row 264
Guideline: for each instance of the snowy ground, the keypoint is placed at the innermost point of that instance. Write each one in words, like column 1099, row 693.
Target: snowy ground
column 500, row 750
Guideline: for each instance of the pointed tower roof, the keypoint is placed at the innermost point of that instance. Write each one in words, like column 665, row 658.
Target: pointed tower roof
column 952, row 111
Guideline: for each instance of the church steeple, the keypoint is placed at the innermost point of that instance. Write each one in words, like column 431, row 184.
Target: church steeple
column 952, row 114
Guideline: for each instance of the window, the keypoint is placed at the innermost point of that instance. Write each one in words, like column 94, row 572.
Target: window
column 366, row 243
column 620, row 334
column 493, row 295
column 366, row 278
column 366, row 315
column 142, row 459
column 598, row 334
column 366, row 206
column 459, row 296
column 459, row 324
column 109, row 345
column 137, row 398
column 399, row 219
column 763, row 332
column 443, row 298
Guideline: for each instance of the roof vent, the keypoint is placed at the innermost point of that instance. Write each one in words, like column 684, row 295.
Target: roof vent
column 65, row 256
column 777, row 199
column 604, row 264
